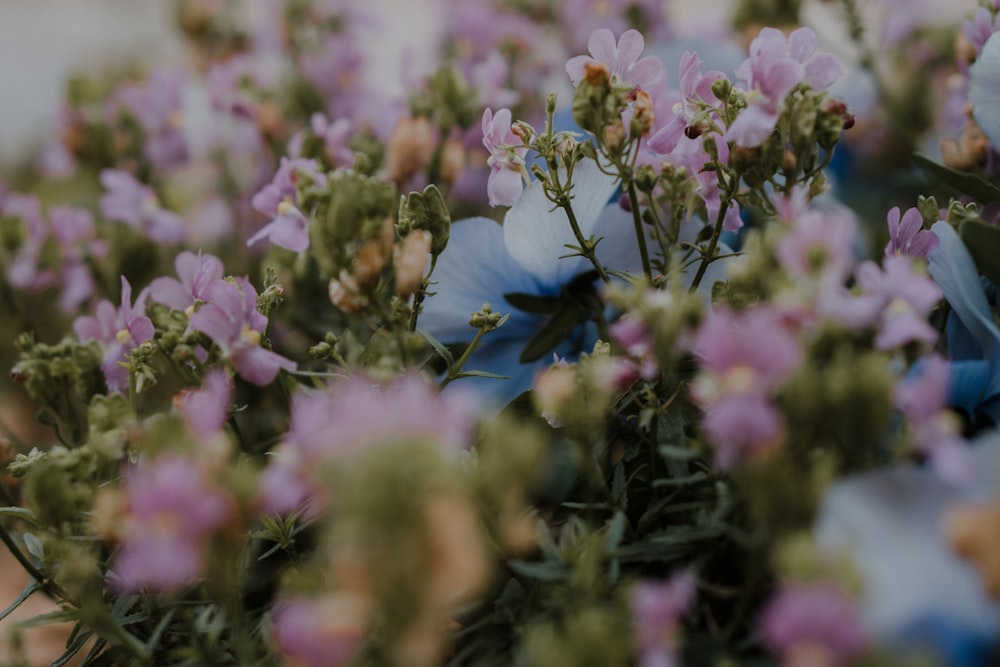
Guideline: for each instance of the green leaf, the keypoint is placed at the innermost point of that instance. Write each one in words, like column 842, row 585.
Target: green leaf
column 439, row 347
column 616, row 531
column 25, row 594
column 49, row 618
column 969, row 184
column 983, row 242
column 34, row 546
column 20, row 513
column 542, row 571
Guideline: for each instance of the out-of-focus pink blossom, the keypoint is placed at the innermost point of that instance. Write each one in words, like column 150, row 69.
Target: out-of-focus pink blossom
column 816, row 617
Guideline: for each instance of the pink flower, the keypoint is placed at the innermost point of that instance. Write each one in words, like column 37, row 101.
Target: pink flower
column 326, row 632
column 206, row 410
column 695, row 88
column 173, row 509
column 234, row 324
column 819, row 242
column 774, row 68
column 196, row 274
column 657, row 609
column 907, row 298
column 907, row 236
column 622, row 59
column 817, row 617
column 129, row 201
column 506, row 158
column 745, row 357
column 118, row 332
column 357, row 413
column 289, row 227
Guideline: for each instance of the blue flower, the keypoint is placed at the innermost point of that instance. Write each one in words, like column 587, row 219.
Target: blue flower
column 526, row 261
column 914, row 587
column 973, row 337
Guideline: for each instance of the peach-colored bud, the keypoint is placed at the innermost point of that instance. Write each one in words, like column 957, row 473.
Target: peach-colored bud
column 109, row 514
column 452, row 161
column 555, row 387
column 644, row 115
column 973, row 531
column 410, row 147
column 614, row 135
column 269, row 119
column 969, row 151
column 411, row 260
column 597, row 74
column 964, row 49
column 344, row 293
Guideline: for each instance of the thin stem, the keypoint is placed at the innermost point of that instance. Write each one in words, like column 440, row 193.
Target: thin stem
column 456, row 368
column 712, row 245
column 47, row 584
column 586, row 249
column 640, row 234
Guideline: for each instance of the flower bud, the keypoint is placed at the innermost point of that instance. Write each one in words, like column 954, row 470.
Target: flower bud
column 345, row 295
column 410, row 147
column 452, row 161
column 410, row 261
column 372, row 256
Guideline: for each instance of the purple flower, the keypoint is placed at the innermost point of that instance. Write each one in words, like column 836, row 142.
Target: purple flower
column 657, row 609
column 118, row 332
column 73, row 228
column 815, row 617
column 922, row 397
column 819, row 242
column 335, row 137
column 356, row 413
column 981, row 28
column 173, row 508
column 129, row 201
column 206, row 410
column 695, row 88
column 289, row 227
column 907, row 298
column 907, row 236
column 336, row 69
column 326, row 632
column 745, row 356
column 234, row 324
column 490, row 79
column 506, row 158
column 158, row 105
column 24, row 271
column 196, row 273
column 622, row 60
column 774, row 68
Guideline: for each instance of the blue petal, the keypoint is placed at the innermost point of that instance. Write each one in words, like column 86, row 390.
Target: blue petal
column 984, row 89
column 954, row 270
column 966, row 383
column 889, row 523
column 476, row 267
column 536, row 235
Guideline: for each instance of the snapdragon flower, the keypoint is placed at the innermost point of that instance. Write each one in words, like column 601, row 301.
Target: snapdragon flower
column 195, row 274
column 118, row 331
column 775, row 66
column 355, row 414
column 234, row 324
column 506, row 160
column 173, row 508
column 907, row 236
column 289, row 227
column 621, row 58
column 127, row 200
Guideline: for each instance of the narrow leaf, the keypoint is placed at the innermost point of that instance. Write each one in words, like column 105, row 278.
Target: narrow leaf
column 969, row 184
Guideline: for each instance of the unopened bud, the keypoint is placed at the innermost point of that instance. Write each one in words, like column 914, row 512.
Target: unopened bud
column 452, row 161
column 614, row 135
column 410, row 261
column 644, row 117
column 269, row 119
column 345, row 295
column 597, row 74
column 373, row 256
column 410, row 147
column 485, row 318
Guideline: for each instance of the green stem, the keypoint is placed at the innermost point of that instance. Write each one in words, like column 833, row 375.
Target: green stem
column 712, row 245
column 418, row 298
column 586, row 249
column 47, row 584
column 456, row 368
column 640, row 234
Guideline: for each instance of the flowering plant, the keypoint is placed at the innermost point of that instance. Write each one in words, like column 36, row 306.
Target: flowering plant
column 627, row 375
